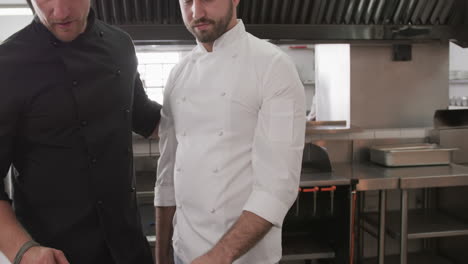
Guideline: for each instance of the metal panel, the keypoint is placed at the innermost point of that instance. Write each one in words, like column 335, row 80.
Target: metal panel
column 254, row 6
column 126, row 11
column 409, row 10
column 369, row 11
column 320, row 33
column 378, row 12
column 321, row 13
column 330, row 9
column 359, row 11
column 115, row 16
column 315, row 10
column 340, row 11
column 427, row 11
column 104, row 15
column 349, row 11
column 284, row 12
column 399, row 12
column 158, row 14
column 435, row 18
column 173, row 7
column 137, row 10
column 389, row 11
column 296, row 5
column 245, row 12
column 147, row 10
column 445, row 12
column 415, row 19
column 264, row 11
column 305, row 12
column 275, row 11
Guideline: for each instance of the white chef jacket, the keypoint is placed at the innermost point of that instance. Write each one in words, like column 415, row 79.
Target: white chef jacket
column 231, row 139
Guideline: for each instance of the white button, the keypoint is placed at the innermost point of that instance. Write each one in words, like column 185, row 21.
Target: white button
column 223, row 94
column 178, row 170
column 184, row 134
column 221, row 133
column 216, row 170
column 179, row 206
column 213, row 210
column 184, row 99
column 234, row 56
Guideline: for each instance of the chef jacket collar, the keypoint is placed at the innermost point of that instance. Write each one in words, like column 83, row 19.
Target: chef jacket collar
column 228, row 39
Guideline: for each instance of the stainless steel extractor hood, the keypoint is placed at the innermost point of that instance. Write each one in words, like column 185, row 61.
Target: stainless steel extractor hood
column 308, row 20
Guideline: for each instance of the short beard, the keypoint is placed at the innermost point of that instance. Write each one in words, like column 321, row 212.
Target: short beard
column 219, row 28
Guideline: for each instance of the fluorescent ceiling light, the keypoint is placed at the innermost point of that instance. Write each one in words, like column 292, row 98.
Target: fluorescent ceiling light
column 7, row 11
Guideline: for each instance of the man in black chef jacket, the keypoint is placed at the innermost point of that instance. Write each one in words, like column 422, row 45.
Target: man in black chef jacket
column 70, row 97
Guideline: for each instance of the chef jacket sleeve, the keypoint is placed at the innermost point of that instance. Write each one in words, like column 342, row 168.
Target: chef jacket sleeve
column 146, row 113
column 164, row 189
column 278, row 142
column 9, row 115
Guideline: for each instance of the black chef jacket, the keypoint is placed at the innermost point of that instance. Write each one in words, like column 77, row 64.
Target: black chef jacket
column 67, row 111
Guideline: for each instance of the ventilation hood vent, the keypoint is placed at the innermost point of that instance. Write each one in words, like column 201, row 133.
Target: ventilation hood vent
column 314, row 20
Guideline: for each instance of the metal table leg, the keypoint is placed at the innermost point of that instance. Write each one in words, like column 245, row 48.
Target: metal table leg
column 404, row 227
column 382, row 211
column 360, row 236
column 352, row 228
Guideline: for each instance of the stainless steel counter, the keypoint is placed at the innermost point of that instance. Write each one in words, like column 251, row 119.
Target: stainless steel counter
column 368, row 176
column 371, row 176
column 433, row 176
column 323, row 179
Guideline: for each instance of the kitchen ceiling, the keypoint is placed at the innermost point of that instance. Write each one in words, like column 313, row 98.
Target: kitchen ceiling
column 320, row 20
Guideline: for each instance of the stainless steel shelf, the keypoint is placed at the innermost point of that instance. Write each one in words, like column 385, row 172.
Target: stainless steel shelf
column 413, row 258
column 421, row 224
column 305, row 248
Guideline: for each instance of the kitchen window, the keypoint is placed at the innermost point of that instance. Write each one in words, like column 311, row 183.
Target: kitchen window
column 155, row 63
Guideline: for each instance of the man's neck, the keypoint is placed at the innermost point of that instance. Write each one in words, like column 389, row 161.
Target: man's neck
column 209, row 45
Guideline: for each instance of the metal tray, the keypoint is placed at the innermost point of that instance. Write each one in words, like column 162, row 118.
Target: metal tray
column 411, row 155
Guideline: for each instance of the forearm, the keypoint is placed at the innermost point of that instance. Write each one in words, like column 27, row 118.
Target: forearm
column 164, row 230
column 12, row 234
column 243, row 235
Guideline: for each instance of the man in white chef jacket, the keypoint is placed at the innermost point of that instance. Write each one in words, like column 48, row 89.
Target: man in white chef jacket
column 231, row 142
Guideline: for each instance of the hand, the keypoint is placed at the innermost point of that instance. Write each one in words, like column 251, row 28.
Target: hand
column 43, row 255
column 211, row 258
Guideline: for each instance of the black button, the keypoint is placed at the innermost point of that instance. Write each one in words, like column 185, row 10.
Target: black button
column 127, row 111
column 55, row 43
column 75, row 83
column 84, row 123
column 118, row 72
column 133, row 189
column 93, row 160
column 101, row 34
column 100, row 203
